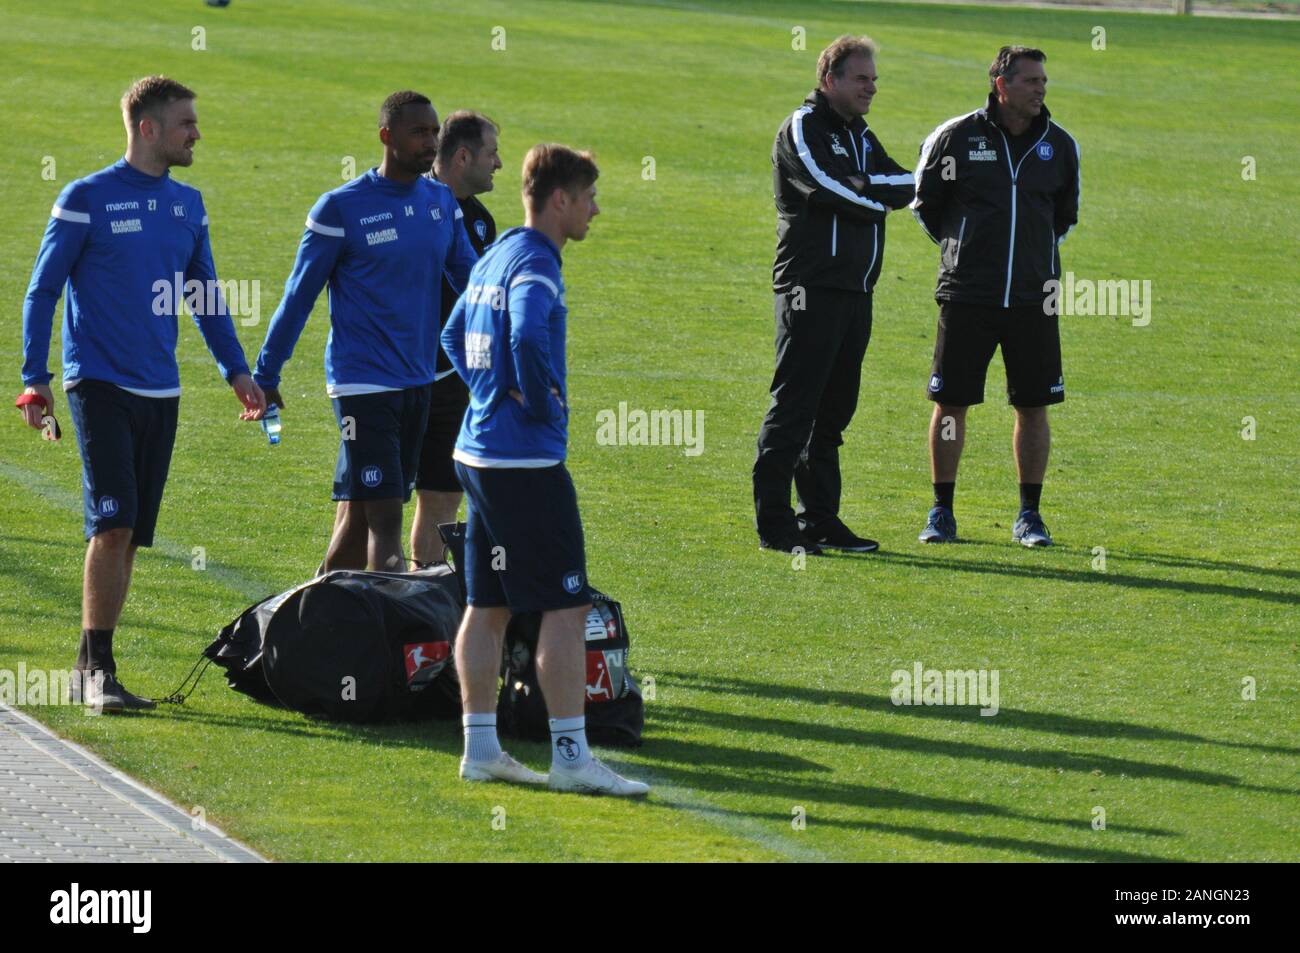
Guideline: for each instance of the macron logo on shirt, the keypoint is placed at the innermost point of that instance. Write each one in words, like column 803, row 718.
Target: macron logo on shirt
column 494, row 296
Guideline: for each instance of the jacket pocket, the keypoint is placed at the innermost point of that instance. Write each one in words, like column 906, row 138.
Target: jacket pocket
column 951, row 246
column 875, row 254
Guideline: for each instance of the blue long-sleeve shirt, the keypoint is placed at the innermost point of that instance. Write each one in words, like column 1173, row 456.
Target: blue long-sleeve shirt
column 507, row 332
column 126, row 245
column 382, row 247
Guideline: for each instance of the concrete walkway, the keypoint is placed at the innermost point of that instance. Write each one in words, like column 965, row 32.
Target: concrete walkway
column 58, row 802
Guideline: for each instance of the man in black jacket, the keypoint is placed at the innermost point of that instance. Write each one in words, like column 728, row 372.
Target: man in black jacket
column 998, row 190
column 834, row 186
column 467, row 160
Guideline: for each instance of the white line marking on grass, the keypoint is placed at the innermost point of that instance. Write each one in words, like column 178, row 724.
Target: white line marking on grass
column 738, row 825
column 232, row 579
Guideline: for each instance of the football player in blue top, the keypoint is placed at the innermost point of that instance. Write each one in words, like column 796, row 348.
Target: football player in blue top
column 381, row 243
column 128, row 242
column 523, row 545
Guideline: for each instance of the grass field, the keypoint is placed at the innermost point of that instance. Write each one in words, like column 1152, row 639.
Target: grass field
column 1119, row 689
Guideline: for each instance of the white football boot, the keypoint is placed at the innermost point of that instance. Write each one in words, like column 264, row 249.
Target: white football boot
column 595, row 777
column 504, row 768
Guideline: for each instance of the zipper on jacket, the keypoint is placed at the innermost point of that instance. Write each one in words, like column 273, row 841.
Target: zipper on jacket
column 961, row 233
column 1051, row 261
column 1015, row 171
column 835, row 229
column 875, row 249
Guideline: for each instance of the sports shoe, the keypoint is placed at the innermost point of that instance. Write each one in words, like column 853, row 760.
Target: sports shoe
column 833, row 534
column 940, row 526
column 109, row 694
column 504, row 768
column 1030, row 531
column 595, row 777
column 789, row 542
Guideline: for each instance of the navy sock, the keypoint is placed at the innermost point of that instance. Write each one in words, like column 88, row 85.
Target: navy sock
column 1030, row 493
column 943, row 493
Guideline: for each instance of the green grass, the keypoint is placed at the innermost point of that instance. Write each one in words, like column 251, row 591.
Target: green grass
column 1119, row 689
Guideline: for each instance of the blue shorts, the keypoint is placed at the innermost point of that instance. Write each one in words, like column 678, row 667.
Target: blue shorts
column 523, row 544
column 379, row 449
column 126, row 450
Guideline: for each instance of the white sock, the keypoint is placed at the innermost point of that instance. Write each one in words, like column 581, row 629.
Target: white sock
column 481, row 743
column 569, row 742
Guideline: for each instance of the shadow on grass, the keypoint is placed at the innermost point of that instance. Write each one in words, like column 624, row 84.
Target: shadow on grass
column 1031, row 571
column 433, row 735
column 1188, row 562
column 742, row 770
column 1005, row 718
column 1029, row 758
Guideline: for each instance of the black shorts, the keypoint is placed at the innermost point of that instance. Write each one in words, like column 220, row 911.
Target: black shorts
column 968, row 336
column 448, row 399
column 126, row 450
column 523, row 545
column 379, row 446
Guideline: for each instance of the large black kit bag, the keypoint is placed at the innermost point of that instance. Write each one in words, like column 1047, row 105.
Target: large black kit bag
column 363, row 646
column 350, row 646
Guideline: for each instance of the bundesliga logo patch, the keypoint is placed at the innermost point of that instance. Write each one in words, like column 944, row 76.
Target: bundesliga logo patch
column 425, row 655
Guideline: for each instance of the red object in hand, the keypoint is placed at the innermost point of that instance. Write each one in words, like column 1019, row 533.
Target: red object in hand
column 52, row 430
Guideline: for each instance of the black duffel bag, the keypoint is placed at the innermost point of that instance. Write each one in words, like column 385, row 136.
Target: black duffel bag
column 351, row 646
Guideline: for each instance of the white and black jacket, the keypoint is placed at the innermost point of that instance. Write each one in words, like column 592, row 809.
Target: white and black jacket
column 829, row 234
column 997, row 219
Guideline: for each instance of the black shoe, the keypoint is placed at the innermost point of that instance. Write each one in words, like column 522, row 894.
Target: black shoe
column 792, row 542
column 111, row 695
column 833, row 534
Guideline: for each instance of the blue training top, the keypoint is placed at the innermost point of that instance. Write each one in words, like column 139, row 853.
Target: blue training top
column 507, row 333
column 382, row 247
column 126, row 244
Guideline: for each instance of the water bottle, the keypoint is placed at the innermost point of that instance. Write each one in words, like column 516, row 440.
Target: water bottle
column 271, row 424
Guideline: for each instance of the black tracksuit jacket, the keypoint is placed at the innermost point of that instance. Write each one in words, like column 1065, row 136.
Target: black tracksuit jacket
column 997, row 213
column 829, row 234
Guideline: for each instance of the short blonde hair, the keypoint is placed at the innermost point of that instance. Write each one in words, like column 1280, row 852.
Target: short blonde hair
column 150, row 95
column 832, row 59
